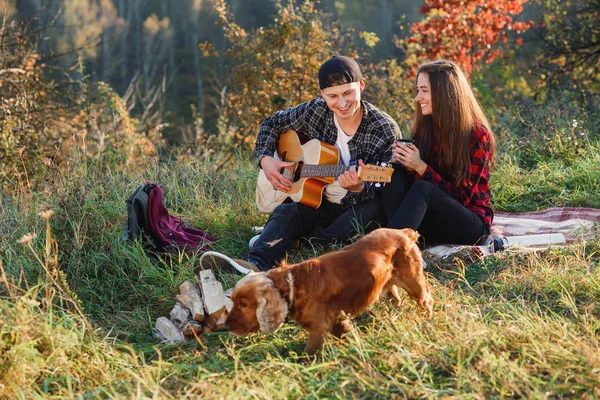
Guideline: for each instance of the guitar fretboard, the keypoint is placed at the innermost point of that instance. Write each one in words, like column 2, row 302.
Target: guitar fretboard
column 368, row 173
column 321, row 171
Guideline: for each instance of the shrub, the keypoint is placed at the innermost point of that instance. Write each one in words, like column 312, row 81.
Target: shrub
column 45, row 122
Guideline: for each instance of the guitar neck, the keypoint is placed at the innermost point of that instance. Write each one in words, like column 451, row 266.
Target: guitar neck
column 322, row 171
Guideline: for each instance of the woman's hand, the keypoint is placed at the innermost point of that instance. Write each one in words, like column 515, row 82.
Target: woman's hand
column 271, row 167
column 409, row 157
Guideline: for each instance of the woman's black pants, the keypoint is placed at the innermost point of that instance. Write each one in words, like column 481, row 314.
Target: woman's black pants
column 424, row 207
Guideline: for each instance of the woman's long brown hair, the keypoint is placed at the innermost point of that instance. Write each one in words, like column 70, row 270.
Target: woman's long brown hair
column 455, row 115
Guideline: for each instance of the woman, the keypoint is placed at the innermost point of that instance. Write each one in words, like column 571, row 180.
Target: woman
column 440, row 183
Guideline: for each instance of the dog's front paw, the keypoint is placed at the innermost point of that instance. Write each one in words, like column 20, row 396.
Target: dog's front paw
column 394, row 296
column 427, row 303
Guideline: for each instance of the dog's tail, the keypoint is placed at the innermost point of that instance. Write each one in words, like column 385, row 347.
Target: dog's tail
column 413, row 236
column 410, row 250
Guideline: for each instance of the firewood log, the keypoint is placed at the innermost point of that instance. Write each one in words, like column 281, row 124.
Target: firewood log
column 189, row 296
column 165, row 331
column 216, row 303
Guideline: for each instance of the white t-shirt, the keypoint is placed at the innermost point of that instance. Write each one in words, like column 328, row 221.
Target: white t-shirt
column 334, row 192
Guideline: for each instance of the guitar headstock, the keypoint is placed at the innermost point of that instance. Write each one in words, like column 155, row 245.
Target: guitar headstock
column 375, row 173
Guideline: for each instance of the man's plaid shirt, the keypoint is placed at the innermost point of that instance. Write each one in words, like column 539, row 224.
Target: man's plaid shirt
column 371, row 143
column 474, row 190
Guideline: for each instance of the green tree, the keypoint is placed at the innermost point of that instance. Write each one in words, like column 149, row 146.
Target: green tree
column 274, row 66
column 571, row 33
column 381, row 17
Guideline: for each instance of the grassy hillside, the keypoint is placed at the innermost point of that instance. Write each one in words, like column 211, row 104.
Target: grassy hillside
column 77, row 304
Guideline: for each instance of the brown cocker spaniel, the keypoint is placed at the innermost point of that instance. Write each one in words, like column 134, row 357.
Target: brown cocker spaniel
column 322, row 292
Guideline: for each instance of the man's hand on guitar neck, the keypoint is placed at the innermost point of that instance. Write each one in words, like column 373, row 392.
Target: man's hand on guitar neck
column 350, row 181
column 271, row 167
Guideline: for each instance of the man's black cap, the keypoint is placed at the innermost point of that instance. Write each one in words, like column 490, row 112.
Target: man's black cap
column 344, row 70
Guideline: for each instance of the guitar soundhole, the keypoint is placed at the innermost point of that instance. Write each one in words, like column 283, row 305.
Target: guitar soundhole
column 293, row 173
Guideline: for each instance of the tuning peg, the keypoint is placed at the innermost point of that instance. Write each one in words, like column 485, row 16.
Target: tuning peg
column 383, row 164
column 378, row 185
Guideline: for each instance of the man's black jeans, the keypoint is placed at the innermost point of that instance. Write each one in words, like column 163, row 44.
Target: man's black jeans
column 330, row 223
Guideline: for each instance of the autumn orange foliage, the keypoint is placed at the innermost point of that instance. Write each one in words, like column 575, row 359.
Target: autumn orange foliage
column 464, row 31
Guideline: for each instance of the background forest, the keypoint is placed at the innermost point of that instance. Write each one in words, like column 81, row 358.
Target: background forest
column 181, row 72
column 97, row 96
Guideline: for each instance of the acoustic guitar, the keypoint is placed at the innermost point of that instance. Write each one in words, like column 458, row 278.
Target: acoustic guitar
column 315, row 166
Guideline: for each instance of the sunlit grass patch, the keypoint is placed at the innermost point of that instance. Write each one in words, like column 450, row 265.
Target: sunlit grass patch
column 511, row 325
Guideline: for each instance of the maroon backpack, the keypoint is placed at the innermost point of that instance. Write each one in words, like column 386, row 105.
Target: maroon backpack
column 147, row 215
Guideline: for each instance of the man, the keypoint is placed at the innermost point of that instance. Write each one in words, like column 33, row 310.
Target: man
column 362, row 133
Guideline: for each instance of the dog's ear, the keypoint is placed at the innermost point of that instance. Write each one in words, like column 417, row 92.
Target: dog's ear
column 271, row 310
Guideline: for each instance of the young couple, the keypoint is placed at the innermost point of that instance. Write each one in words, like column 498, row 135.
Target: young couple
column 440, row 182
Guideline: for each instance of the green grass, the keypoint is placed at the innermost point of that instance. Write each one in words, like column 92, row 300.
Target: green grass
column 511, row 325
column 551, row 184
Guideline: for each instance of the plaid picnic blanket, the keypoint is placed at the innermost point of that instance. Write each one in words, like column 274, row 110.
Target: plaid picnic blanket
column 575, row 223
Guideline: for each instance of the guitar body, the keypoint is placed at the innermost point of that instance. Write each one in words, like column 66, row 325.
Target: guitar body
column 307, row 191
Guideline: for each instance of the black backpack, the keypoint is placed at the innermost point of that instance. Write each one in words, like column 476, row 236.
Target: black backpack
column 137, row 211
